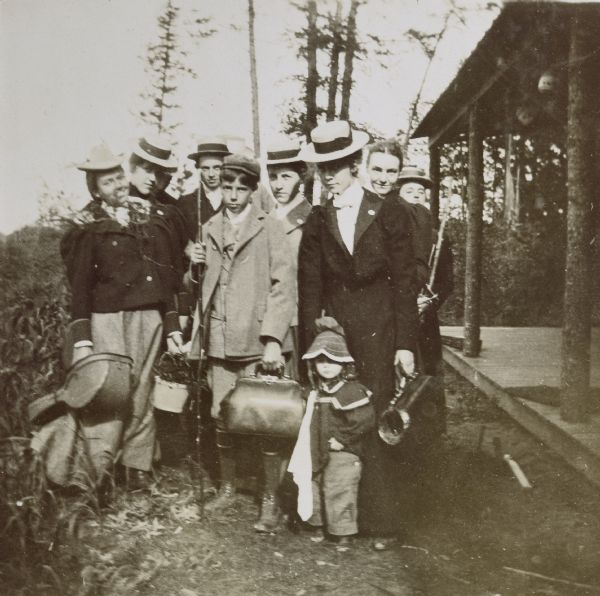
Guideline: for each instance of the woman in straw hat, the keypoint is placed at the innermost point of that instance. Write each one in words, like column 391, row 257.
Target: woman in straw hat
column 122, row 269
column 356, row 262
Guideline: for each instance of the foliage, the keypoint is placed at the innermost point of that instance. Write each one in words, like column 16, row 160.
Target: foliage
column 522, row 274
column 166, row 62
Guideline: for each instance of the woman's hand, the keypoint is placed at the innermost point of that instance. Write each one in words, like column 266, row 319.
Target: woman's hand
column 81, row 352
column 175, row 343
column 335, row 445
column 406, row 360
column 272, row 360
column 198, row 253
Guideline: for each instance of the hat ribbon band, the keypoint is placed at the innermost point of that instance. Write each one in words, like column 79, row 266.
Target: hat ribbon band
column 335, row 145
column 272, row 155
column 154, row 151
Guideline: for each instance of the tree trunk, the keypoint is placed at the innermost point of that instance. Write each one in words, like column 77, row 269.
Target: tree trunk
column 334, row 64
column 576, row 335
column 349, row 60
column 474, row 237
column 254, row 79
column 312, row 76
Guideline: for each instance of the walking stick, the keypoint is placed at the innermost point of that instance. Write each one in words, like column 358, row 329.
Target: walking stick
column 197, row 277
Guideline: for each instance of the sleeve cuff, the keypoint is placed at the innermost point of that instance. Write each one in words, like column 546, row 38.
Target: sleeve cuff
column 81, row 330
column 83, row 344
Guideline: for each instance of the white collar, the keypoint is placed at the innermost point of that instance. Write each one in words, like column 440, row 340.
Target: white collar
column 282, row 210
column 215, row 197
column 351, row 197
column 238, row 219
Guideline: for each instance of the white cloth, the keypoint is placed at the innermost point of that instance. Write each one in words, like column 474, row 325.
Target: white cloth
column 215, row 197
column 347, row 206
column 300, row 466
column 282, row 210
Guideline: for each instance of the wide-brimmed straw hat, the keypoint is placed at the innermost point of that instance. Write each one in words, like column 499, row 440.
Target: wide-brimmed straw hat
column 284, row 151
column 330, row 342
column 101, row 159
column 241, row 163
column 210, row 146
column 414, row 174
column 99, row 382
column 333, row 140
column 156, row 150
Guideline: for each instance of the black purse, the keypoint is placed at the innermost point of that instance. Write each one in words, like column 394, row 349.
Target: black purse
column 268, row 405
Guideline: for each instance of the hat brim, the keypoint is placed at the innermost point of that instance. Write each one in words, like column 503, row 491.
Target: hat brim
column 219, row 152
column 169, row 165
column 285, row 160
column 101, row 166
column 426, row 182
column 324, row 352
column 309, row 155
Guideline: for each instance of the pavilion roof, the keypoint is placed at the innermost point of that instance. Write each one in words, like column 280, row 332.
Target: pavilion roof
column 526, row 40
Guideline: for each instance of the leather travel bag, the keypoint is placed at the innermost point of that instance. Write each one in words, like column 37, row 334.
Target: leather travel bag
column 264, row 405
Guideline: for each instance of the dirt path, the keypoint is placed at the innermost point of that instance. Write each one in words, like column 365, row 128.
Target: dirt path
column 474, row 520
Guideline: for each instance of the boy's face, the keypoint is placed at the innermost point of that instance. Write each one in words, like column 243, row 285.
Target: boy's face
column 327, row 369
column 413, row 192
column 210, row 170
column 235, row 195
column 284, row 182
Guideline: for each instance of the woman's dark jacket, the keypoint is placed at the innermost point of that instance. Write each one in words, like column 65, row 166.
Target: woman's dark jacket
column 112, row 268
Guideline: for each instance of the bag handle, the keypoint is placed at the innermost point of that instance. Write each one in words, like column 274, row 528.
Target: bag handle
column 259, row 371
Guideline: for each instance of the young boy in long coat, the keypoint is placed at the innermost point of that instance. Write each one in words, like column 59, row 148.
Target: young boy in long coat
column 249, row 301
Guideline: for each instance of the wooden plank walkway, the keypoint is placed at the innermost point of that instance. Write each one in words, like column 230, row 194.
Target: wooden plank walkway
column 516, row 357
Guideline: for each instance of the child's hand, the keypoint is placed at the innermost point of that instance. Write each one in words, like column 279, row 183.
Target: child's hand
column 335, row 445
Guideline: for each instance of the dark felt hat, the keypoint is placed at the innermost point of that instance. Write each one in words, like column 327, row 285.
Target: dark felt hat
column 210, row 146
column 241, row 163
column 414, row 174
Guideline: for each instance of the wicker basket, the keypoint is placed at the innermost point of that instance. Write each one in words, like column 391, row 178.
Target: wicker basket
column 169, row 396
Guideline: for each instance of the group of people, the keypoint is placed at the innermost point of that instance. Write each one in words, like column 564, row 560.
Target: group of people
column 337, row 293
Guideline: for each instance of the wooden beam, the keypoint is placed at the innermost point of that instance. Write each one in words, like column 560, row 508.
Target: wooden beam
column 473, row 100
column 472, row 304
column 434, row 174
column 575, row 367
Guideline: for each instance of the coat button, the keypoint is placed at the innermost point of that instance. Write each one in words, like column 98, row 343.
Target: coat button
column 114, row 243
column 148, row 278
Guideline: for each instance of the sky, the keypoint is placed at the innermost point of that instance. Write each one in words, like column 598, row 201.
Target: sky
column 71, row 75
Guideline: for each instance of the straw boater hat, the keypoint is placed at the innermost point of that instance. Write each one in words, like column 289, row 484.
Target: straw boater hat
column 241, row 163
column 100, row 159
column 333, row 140
column 414, row 174
column 284, row 151
column 210, row 146
column 157, row 150
column 330, row 342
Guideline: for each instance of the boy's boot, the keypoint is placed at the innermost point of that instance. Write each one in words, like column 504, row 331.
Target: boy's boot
column 270, row 513
column 226, row 494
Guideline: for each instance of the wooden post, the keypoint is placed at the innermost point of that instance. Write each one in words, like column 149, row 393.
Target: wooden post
column 434, row 174
column 576, row 335
column 253, row 79
column 471, row 344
